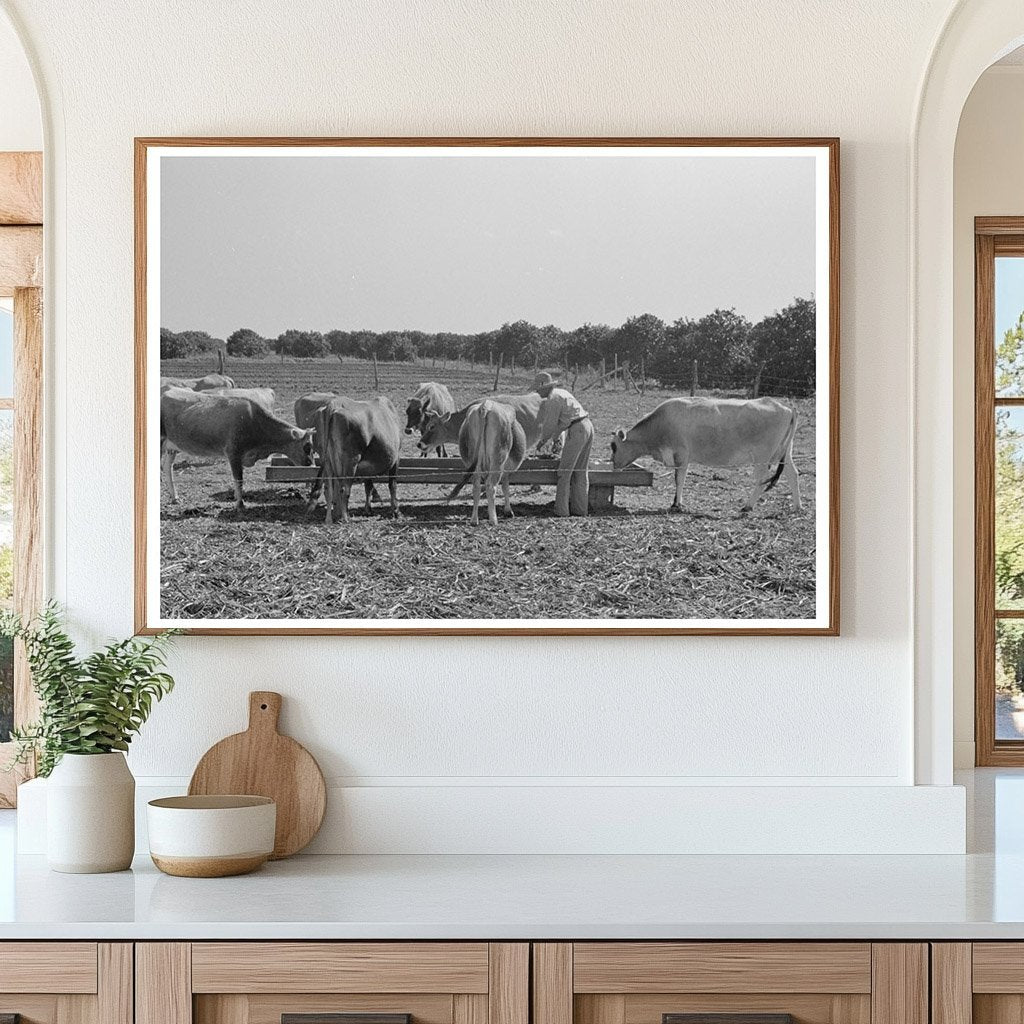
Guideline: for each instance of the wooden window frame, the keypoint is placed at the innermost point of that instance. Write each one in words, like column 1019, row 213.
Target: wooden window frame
column 993, row 237
column 21, row 278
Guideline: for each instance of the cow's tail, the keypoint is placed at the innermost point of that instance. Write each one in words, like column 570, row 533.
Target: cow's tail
column 481, row 448
column 782, row 452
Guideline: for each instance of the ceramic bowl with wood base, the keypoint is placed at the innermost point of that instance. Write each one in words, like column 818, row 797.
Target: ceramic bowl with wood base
column 211, row 836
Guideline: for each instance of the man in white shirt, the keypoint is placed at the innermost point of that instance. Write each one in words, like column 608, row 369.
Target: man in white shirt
column 560, row 411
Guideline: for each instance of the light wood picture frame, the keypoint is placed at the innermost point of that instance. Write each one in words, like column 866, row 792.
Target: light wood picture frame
column 339, row 265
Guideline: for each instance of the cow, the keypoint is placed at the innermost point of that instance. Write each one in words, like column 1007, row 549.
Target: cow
column 211, row 382
column 357, row 439
column 306, row 409
column 444, row 429
column 722, row 432
column 239, row 429
column 261, row 396
column 428, row 398
column 492, row 445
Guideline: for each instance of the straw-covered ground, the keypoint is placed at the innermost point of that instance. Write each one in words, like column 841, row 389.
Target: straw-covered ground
column 273, row 562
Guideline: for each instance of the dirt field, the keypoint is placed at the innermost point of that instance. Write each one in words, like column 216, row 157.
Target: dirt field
column 637, row 561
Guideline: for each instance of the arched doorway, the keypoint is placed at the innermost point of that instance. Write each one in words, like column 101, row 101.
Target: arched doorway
column 976, row 34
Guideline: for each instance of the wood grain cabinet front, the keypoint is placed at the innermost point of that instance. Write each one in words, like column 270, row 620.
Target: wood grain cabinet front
column 332, row 983
column 730, row 983
column 978, row 983
column 66, row 982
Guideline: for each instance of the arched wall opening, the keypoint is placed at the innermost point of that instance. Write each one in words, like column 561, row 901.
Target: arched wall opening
column 976, row 34
column 989, row 154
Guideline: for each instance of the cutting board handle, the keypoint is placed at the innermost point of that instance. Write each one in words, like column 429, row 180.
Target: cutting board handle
column 264, row 710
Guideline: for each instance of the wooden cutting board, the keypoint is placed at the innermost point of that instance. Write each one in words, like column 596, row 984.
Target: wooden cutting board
column 262, row 762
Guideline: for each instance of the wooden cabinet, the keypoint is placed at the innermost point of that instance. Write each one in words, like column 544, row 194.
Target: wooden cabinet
column 752, row 982
column 66, row 982
column 978, row 983
column 307, row 982
column 494, row 983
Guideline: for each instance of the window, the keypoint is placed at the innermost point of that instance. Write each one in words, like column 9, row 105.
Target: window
column 6, row 514
column 20, row 501
column 999, row 490
column 21, row 373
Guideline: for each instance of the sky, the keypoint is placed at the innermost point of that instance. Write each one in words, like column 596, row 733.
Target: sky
column 1009, row 293
column 6, row 354
column 464, row 244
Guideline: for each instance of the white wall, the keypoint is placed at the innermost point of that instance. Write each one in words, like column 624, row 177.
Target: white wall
column 987, row 181
column 429, row 716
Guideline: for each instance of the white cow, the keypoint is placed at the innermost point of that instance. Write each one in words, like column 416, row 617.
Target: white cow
column 725, row 432
column 444, row 428
column 261, row 396
column 427, row 398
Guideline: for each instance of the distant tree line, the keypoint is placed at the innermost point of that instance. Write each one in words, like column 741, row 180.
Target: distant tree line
column 727, row 348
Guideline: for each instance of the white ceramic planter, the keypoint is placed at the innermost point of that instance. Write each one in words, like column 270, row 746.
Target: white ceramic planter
column 90, row 814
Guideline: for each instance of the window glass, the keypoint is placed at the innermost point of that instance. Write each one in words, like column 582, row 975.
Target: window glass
column 1009, row 511
column 1009, row 327
column 1009, row 679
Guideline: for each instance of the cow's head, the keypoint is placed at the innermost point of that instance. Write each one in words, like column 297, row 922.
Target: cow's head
column 300, row 446
column 414, row 415
column 431, row 429
column 624, row 452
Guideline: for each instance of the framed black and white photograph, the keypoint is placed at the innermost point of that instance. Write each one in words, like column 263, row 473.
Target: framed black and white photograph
column 508, row 386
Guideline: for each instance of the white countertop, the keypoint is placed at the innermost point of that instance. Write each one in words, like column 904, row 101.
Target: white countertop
column 516, row 897
column 977, row 896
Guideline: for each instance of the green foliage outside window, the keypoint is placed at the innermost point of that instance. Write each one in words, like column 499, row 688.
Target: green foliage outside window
column 1009, row 510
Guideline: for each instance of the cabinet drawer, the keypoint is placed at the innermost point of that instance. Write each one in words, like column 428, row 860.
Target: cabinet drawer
column 58, row 967
column 332, row 983
column 730, row 983
column 340, row 967
column 635, row 967
column 66, row 982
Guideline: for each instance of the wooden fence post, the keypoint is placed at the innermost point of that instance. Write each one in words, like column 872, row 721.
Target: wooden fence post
column 497, row 372
column 693, row 380
column 756, row 392
column 376, row 379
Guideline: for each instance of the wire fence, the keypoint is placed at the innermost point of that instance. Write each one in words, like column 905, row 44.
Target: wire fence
column 482, row 377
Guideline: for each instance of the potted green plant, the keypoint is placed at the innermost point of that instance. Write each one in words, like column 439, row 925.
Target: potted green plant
column 90, row 708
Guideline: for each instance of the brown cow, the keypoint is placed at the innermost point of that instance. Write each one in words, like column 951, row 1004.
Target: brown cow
column 238, row 429
column 492, row 445
column 357, row 439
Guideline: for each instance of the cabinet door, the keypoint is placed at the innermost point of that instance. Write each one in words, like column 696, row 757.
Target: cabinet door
column 730, row 983
column 980, row 982
column 65, row 983
column 332, row 983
